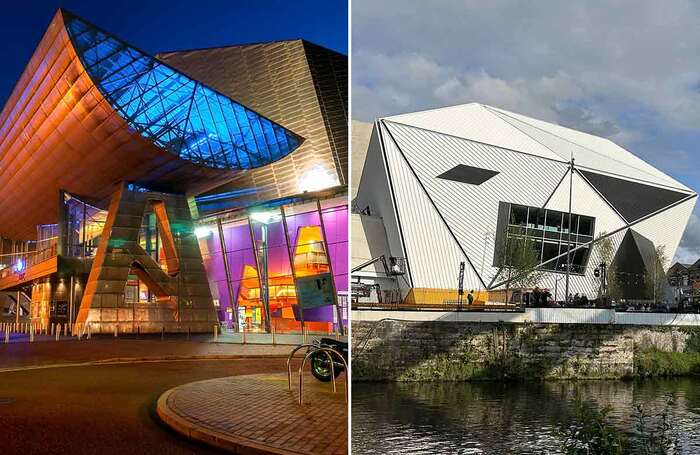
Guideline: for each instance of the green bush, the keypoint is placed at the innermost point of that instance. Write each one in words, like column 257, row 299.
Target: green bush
column 692, row 344
column 663, row 364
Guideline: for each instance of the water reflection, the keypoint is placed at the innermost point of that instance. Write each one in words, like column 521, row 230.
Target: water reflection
column 475, row 418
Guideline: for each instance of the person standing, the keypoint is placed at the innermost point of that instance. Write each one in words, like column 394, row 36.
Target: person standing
column 470, row 297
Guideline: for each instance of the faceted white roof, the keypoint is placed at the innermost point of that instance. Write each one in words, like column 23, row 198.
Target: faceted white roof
column 501, row 128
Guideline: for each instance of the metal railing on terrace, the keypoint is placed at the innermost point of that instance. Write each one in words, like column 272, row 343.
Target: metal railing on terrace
column 19, row 262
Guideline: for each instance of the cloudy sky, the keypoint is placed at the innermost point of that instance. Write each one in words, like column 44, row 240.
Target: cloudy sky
column 626, row 70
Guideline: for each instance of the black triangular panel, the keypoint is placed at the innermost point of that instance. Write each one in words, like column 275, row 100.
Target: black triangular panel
column 631, row 199
column 633, row 258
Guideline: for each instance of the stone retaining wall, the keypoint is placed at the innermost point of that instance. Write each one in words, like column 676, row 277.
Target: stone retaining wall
column 455, row 351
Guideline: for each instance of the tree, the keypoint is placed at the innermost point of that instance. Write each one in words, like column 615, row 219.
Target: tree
column 518, row 260
column 655, row 281
column 605, row 249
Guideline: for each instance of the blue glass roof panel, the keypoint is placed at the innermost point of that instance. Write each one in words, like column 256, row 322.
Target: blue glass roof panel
column 175, row 111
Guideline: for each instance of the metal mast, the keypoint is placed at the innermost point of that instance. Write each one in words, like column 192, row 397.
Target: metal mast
column 568, row 240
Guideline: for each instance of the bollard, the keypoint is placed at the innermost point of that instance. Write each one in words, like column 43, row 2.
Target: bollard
column 274, row 340
column 216, row 334
column 7, row 337
column 89, row 330
column 116, row 330
column 138, row 331
column 31, row 335
column 52, row 328
column 65, row 329
column 58, row 332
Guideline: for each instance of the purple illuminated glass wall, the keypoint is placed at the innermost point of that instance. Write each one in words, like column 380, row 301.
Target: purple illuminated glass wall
column 246, row 252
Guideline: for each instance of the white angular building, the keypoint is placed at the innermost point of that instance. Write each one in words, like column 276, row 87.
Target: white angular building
column 450, row 184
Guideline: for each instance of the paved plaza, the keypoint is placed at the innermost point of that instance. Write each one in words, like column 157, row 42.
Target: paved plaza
column 258, row 414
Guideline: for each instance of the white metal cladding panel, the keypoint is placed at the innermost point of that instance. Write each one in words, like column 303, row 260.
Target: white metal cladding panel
column 585, row 201
column 373, row 191
column 667, row 227
column 590, row 151
column 471, row 211
column 368, row 242
column 473, row 121
column 433, row 254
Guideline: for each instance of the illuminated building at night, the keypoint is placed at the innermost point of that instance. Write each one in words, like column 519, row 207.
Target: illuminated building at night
column 177, row 190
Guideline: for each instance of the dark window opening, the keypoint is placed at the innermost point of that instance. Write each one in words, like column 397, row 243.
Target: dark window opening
column 549, row 232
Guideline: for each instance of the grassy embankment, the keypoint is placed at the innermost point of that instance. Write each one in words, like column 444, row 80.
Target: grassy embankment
column 654, row 363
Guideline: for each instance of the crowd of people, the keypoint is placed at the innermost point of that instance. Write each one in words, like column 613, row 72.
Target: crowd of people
column 539, row 297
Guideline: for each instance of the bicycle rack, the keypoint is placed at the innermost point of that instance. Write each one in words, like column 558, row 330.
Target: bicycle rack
column 314, row 349
column 328, row 352
column 289, row 359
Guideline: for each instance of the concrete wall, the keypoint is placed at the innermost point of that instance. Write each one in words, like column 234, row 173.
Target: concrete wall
column 537, row 316
column 391, row 350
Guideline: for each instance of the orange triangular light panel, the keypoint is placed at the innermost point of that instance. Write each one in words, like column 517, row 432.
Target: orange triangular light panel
column 172, row 260
column 310, row 256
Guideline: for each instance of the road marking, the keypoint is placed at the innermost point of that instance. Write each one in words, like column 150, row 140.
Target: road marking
column 132, row 361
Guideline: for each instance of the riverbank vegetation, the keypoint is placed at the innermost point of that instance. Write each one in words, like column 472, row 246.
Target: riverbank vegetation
column 589, row 432
column 655, row 363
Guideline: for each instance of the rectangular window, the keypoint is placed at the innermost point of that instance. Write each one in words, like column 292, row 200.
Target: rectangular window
column 549, row 232
column 518, row 215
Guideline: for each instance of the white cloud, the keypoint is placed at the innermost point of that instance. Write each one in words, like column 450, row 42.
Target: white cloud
column 644, row 51
column 627, row 70
column 689, row 248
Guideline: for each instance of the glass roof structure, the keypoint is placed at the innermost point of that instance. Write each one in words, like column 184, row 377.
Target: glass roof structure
column 176, row 112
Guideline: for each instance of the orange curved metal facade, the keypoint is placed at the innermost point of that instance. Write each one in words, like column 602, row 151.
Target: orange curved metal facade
column 58, row 132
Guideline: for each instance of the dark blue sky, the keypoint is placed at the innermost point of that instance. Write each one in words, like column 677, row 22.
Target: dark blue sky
column 159, row 25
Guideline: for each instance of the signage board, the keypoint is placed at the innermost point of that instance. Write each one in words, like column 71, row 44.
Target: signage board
column 315, row 291
column 61, row 309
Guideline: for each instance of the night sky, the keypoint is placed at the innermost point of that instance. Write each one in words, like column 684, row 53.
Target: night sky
column 157, row 26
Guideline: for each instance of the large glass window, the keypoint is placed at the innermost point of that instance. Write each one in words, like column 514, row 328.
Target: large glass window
column 269, row 251
column 84, row 225
column 549, row 231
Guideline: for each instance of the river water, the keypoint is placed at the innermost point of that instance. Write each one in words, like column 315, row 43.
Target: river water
column 496, row 418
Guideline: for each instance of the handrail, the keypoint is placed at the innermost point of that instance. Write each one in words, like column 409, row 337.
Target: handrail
column 327, row 351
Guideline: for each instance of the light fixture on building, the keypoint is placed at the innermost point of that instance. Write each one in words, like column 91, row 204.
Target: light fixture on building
column 317, row 178
column 203, row 232
column 266, row 217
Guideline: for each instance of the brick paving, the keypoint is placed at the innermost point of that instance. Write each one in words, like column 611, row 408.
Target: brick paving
column 257, row 414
